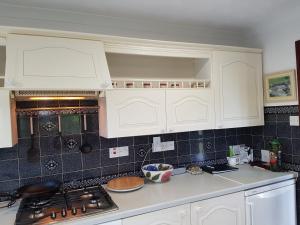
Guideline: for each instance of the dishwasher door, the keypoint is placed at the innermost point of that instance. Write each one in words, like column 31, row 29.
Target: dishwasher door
column 273, row 207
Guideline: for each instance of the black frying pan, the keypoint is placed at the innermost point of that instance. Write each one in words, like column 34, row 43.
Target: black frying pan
column 41, row 190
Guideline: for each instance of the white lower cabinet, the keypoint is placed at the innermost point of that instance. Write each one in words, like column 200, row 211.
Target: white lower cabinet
column 225, row 210
column 179, row 215
column 8, row 120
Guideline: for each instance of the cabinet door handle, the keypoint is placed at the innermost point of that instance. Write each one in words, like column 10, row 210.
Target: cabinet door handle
column 198, row 208
column 182, row 217
column 171, row 130
column 249, row 215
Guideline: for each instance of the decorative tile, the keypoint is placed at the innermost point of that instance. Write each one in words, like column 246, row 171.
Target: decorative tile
column 209, row 145
column 51, row 165
column 49, row 126
column 142, row 151
column 71, row 143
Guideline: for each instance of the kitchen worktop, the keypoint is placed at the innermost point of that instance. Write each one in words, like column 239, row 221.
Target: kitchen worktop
column 181, row 189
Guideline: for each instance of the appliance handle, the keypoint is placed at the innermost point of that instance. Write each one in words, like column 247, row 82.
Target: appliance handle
column 249, row 213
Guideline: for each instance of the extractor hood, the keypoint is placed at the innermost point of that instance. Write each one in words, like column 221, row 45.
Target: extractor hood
column 55, row 63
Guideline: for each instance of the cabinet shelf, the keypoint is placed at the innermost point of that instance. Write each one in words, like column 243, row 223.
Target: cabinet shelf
column 152, row 83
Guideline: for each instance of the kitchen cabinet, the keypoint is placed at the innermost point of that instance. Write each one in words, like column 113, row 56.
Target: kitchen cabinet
column 132, row 112
column 179, row 215
column 135, row 112
column 225, row 210
column 189, row 110
column 8, row 120
column 237, row 80
column 53, row 63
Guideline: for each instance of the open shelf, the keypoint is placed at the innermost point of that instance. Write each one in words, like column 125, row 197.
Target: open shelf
column 146, row 71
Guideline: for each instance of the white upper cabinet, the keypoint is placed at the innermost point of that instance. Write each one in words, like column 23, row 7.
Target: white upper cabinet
column 237, row 81
column 189, row 110
column 132, row 112
column 8, row 120
column 225, row 210
column 179, row 215
column 52, row 63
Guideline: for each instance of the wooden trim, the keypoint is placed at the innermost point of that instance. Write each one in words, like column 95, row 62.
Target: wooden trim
column 297, row 47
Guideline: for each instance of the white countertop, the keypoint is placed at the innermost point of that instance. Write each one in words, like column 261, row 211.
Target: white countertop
column 181, row 189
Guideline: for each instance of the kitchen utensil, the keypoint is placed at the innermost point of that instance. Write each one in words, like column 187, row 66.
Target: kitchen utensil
column 39, row 192
column 32, row 152
column 125, row 184
column 85, row 147
column 43, row 190
column 158, row 172
column 6, row 200
column 218, row 168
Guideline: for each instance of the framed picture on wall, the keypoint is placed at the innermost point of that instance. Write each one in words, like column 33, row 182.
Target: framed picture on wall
column 280, row 89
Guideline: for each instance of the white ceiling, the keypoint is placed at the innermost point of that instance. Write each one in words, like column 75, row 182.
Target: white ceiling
column 229, row 14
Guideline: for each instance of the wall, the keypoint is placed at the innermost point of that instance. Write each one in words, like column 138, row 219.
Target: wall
column 277, row 35
column 11, row 15
column 59, row 157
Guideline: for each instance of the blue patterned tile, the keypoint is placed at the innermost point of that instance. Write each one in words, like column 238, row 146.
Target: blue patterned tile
column 71, row 162
column 9, row 170
column 91, row 160
column 30, row 169
column 51, row 165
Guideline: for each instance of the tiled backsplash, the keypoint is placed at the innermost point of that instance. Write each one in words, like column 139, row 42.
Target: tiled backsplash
column 59, row 157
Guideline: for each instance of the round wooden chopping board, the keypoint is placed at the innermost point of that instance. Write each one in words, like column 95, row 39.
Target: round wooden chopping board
column 124, row 184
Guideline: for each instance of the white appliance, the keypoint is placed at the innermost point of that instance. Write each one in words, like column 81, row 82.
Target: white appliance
column 272, row 205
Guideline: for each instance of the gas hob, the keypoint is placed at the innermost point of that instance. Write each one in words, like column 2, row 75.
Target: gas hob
column 63, row 206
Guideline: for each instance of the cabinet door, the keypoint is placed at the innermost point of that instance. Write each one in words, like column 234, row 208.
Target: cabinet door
column 237, row 79
column 189, row 110
column 132, row 112
column 36, row 62
column 8, row 120
column 179, row 215
column 225, row 210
